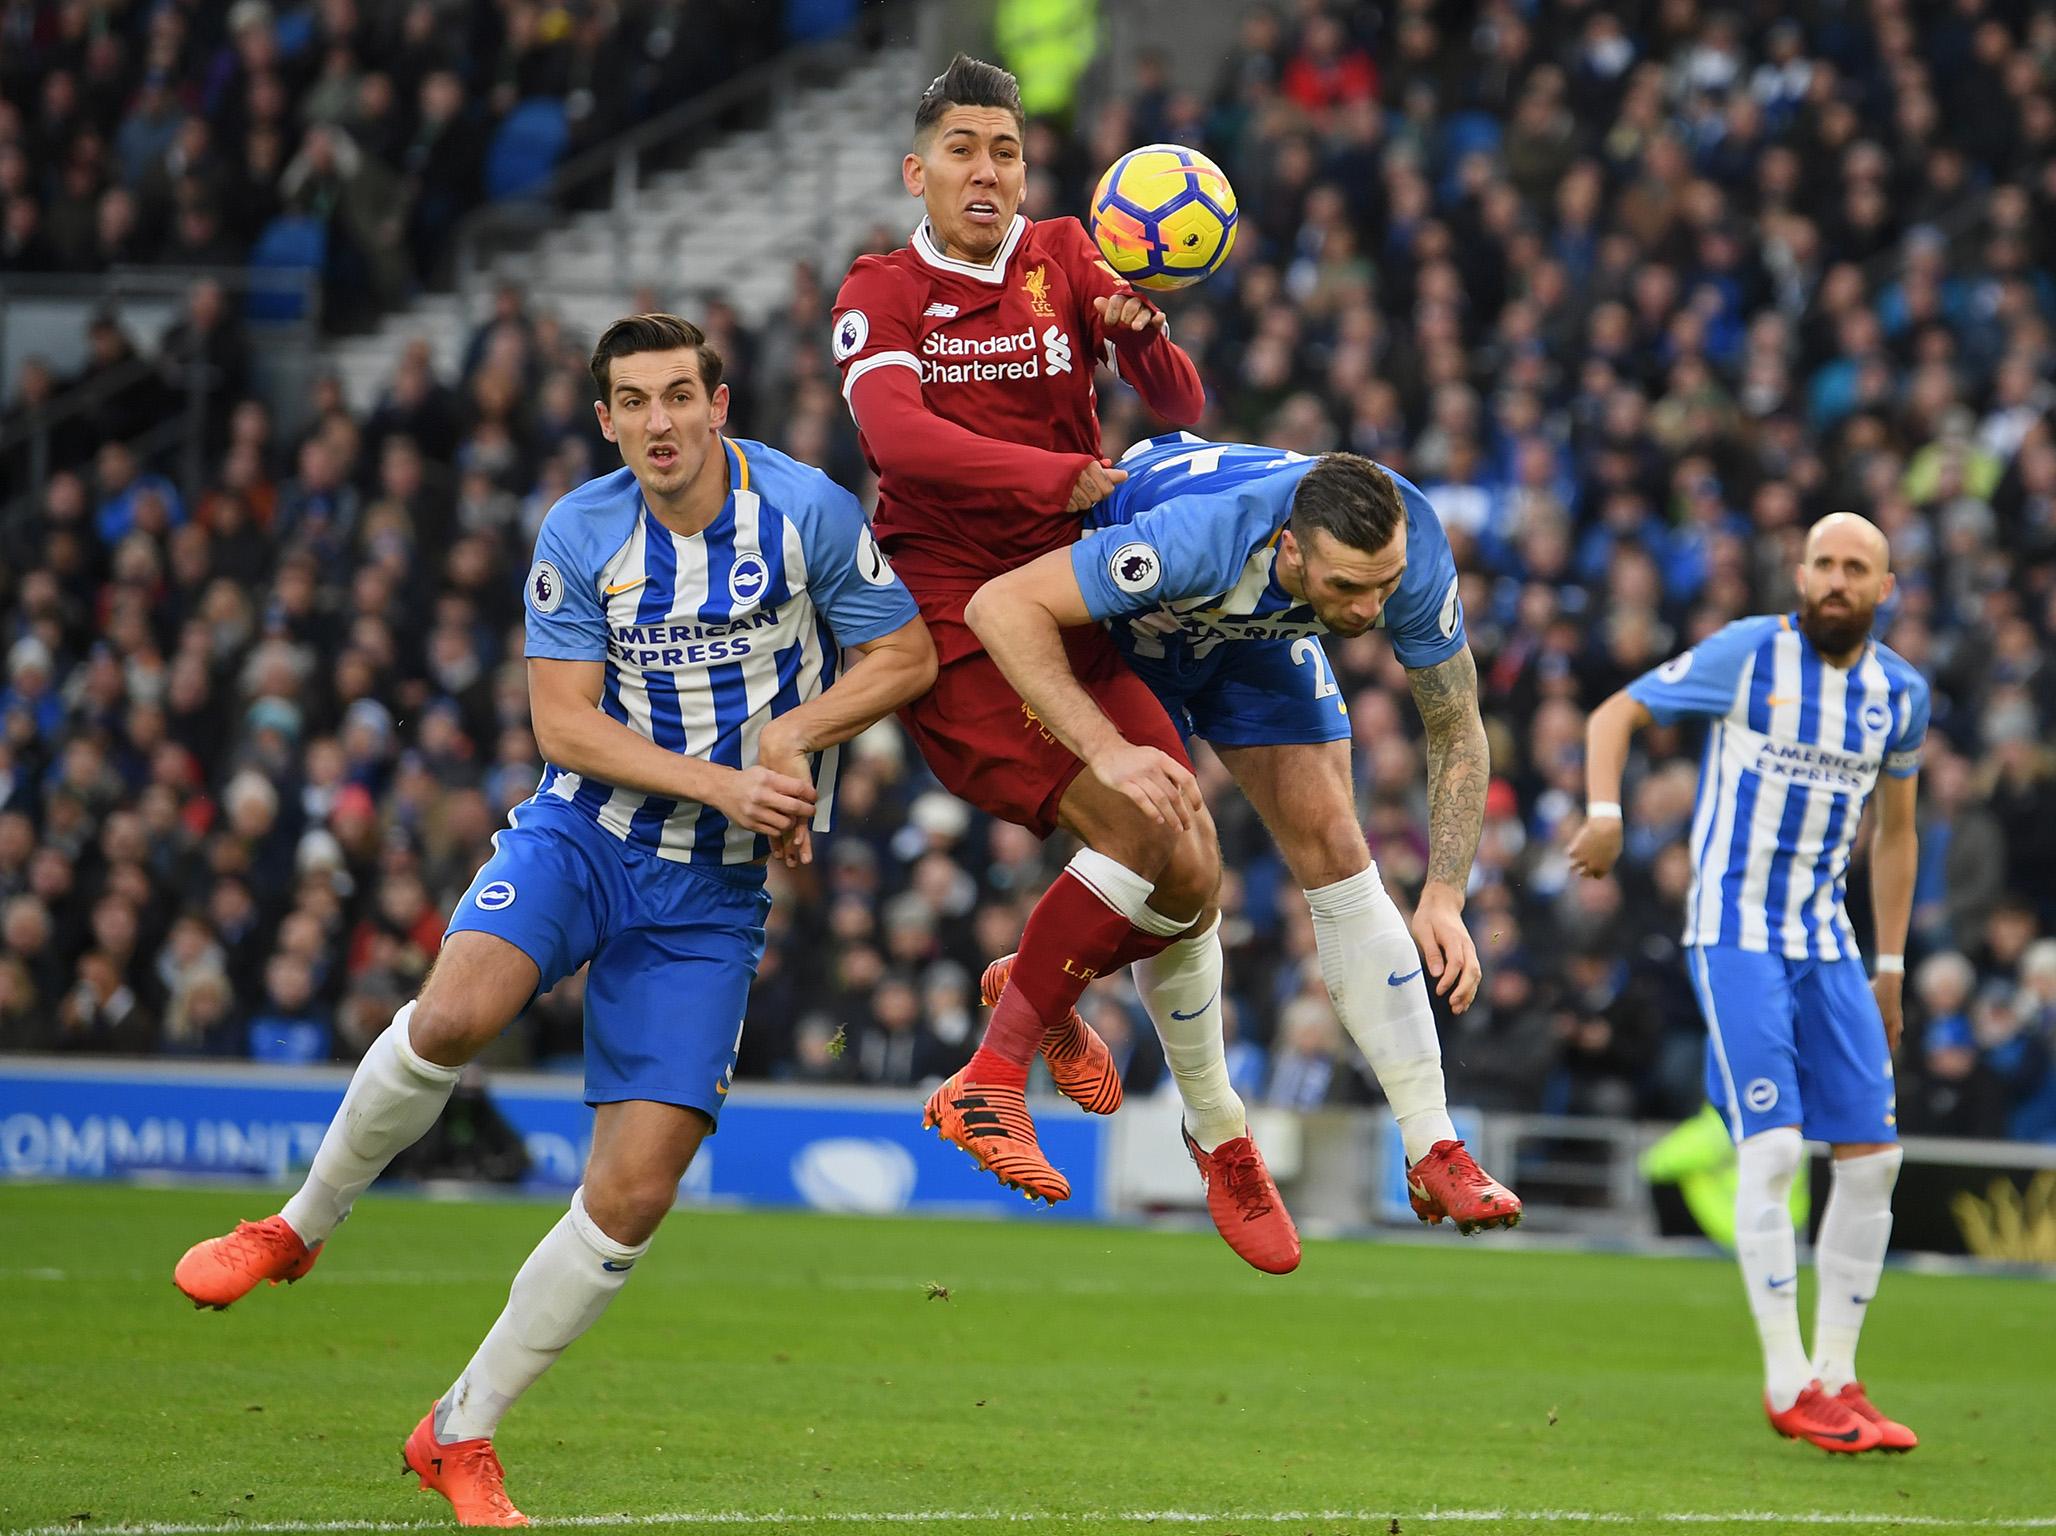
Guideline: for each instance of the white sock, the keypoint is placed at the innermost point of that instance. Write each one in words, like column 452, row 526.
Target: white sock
column 1769, row 1255
column 561, row 1291
column 1848, row 1257
column 1181, row 988
column 1363, row 944
column 1125, row 891
column 393, row 1098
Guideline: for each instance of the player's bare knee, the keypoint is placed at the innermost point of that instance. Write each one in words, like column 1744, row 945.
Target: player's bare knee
column 630, row 1206
column 1324, row 854
column 1137, row 843
column 448, row 1029
column 1189, row 881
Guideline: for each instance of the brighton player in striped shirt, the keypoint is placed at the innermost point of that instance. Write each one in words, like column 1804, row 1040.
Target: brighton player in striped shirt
column 1807, row 715
column 686, row 619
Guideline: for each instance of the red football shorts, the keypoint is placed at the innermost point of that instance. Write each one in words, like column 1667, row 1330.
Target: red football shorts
column 988, row 747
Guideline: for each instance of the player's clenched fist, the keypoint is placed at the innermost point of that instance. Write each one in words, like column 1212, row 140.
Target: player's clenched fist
column 1596, row 847
column 1161, row 785
column 767, row 801
column 1131, row 310
column 1095, row 484
column 780, row 752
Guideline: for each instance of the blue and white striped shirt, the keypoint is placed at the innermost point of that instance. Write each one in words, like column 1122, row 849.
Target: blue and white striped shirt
column 706, row 636
column 1794, row 750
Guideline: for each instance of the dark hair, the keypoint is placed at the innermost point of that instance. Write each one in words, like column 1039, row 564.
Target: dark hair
column 652, row 333
column 1349, row 498
column 968, row 82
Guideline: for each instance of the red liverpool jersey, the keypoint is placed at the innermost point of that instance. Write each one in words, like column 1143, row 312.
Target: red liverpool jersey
column 971, row 385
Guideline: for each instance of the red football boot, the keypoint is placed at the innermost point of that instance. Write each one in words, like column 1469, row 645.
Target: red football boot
column 994, row 1126
column 466, row 1472
column 224, row 1269
column 1245, row 1204
column 1825, row 1421
column 1079, row 1062
column 1448, row 1184
column 1892, row 1435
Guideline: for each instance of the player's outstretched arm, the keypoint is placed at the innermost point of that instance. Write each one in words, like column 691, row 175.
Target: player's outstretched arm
column 1459, row 770
column 564, row 711
column 1894, row 860
column 894, row 669
column 1607, row 734
column 1021, row 617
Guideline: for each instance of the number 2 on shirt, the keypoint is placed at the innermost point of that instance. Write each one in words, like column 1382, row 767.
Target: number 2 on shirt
column 1306, row 650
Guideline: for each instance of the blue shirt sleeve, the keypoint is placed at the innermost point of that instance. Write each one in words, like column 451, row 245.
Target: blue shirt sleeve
column 566, row 621
column 1903, row 751
column 1425, row 616
column 848, row 576
column 1194, row 545
column 1702, row 681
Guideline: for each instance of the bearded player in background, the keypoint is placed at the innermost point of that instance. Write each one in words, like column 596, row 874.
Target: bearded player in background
column 967, row 360
column 1808, row 718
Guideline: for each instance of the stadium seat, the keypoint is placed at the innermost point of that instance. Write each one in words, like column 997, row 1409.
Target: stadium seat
column 526, row 149
column 288, row 243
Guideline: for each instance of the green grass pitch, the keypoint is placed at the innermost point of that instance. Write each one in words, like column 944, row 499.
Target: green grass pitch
column 792, row 1372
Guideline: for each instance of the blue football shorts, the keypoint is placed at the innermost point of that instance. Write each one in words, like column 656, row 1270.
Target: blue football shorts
column 1794, row 1042
column 1250, row 693
column 674, row 948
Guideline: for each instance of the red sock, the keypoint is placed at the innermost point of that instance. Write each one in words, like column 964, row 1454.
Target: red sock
column 1071, row 937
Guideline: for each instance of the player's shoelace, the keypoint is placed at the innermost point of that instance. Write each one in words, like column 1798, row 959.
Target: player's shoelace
column 482, row 1463
column 254, row 1244
column 1834, row 1415
column 1467, row 1175
column 1247, row 1186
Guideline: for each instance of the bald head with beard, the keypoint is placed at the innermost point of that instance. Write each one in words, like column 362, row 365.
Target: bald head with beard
column 1845, row 575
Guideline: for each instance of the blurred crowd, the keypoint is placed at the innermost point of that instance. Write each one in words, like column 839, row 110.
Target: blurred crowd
column 173, row 132
column 1634, row 294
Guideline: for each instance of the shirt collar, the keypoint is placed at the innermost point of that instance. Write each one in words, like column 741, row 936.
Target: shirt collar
column 929, row 249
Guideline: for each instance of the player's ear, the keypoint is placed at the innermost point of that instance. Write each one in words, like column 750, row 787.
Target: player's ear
column 913, row 175
column 717, row 408
column 606, row 421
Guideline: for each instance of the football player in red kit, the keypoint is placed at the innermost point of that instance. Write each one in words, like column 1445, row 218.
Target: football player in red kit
column 967, row 358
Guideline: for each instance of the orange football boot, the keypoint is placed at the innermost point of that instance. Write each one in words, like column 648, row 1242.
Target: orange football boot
column 1825, row 1421
column 1892, row 1435
column 1245, row 1203
column 993, row 1125
column 1448, row 1184
column 1079, row 1062
column 466, row 1472
column 225, row 1269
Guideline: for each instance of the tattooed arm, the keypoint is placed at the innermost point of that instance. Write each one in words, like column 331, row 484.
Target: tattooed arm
column 1459, row 768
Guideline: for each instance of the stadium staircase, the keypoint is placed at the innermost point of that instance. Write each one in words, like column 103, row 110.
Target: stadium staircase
column 810, row 183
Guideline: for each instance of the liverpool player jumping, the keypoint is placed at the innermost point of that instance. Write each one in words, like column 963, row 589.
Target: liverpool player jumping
column 967, row 362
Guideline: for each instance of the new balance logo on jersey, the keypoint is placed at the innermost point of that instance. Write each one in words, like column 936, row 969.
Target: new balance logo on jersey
column 941, row 311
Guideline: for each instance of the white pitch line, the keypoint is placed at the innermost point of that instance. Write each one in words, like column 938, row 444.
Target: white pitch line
column 916, row 1517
